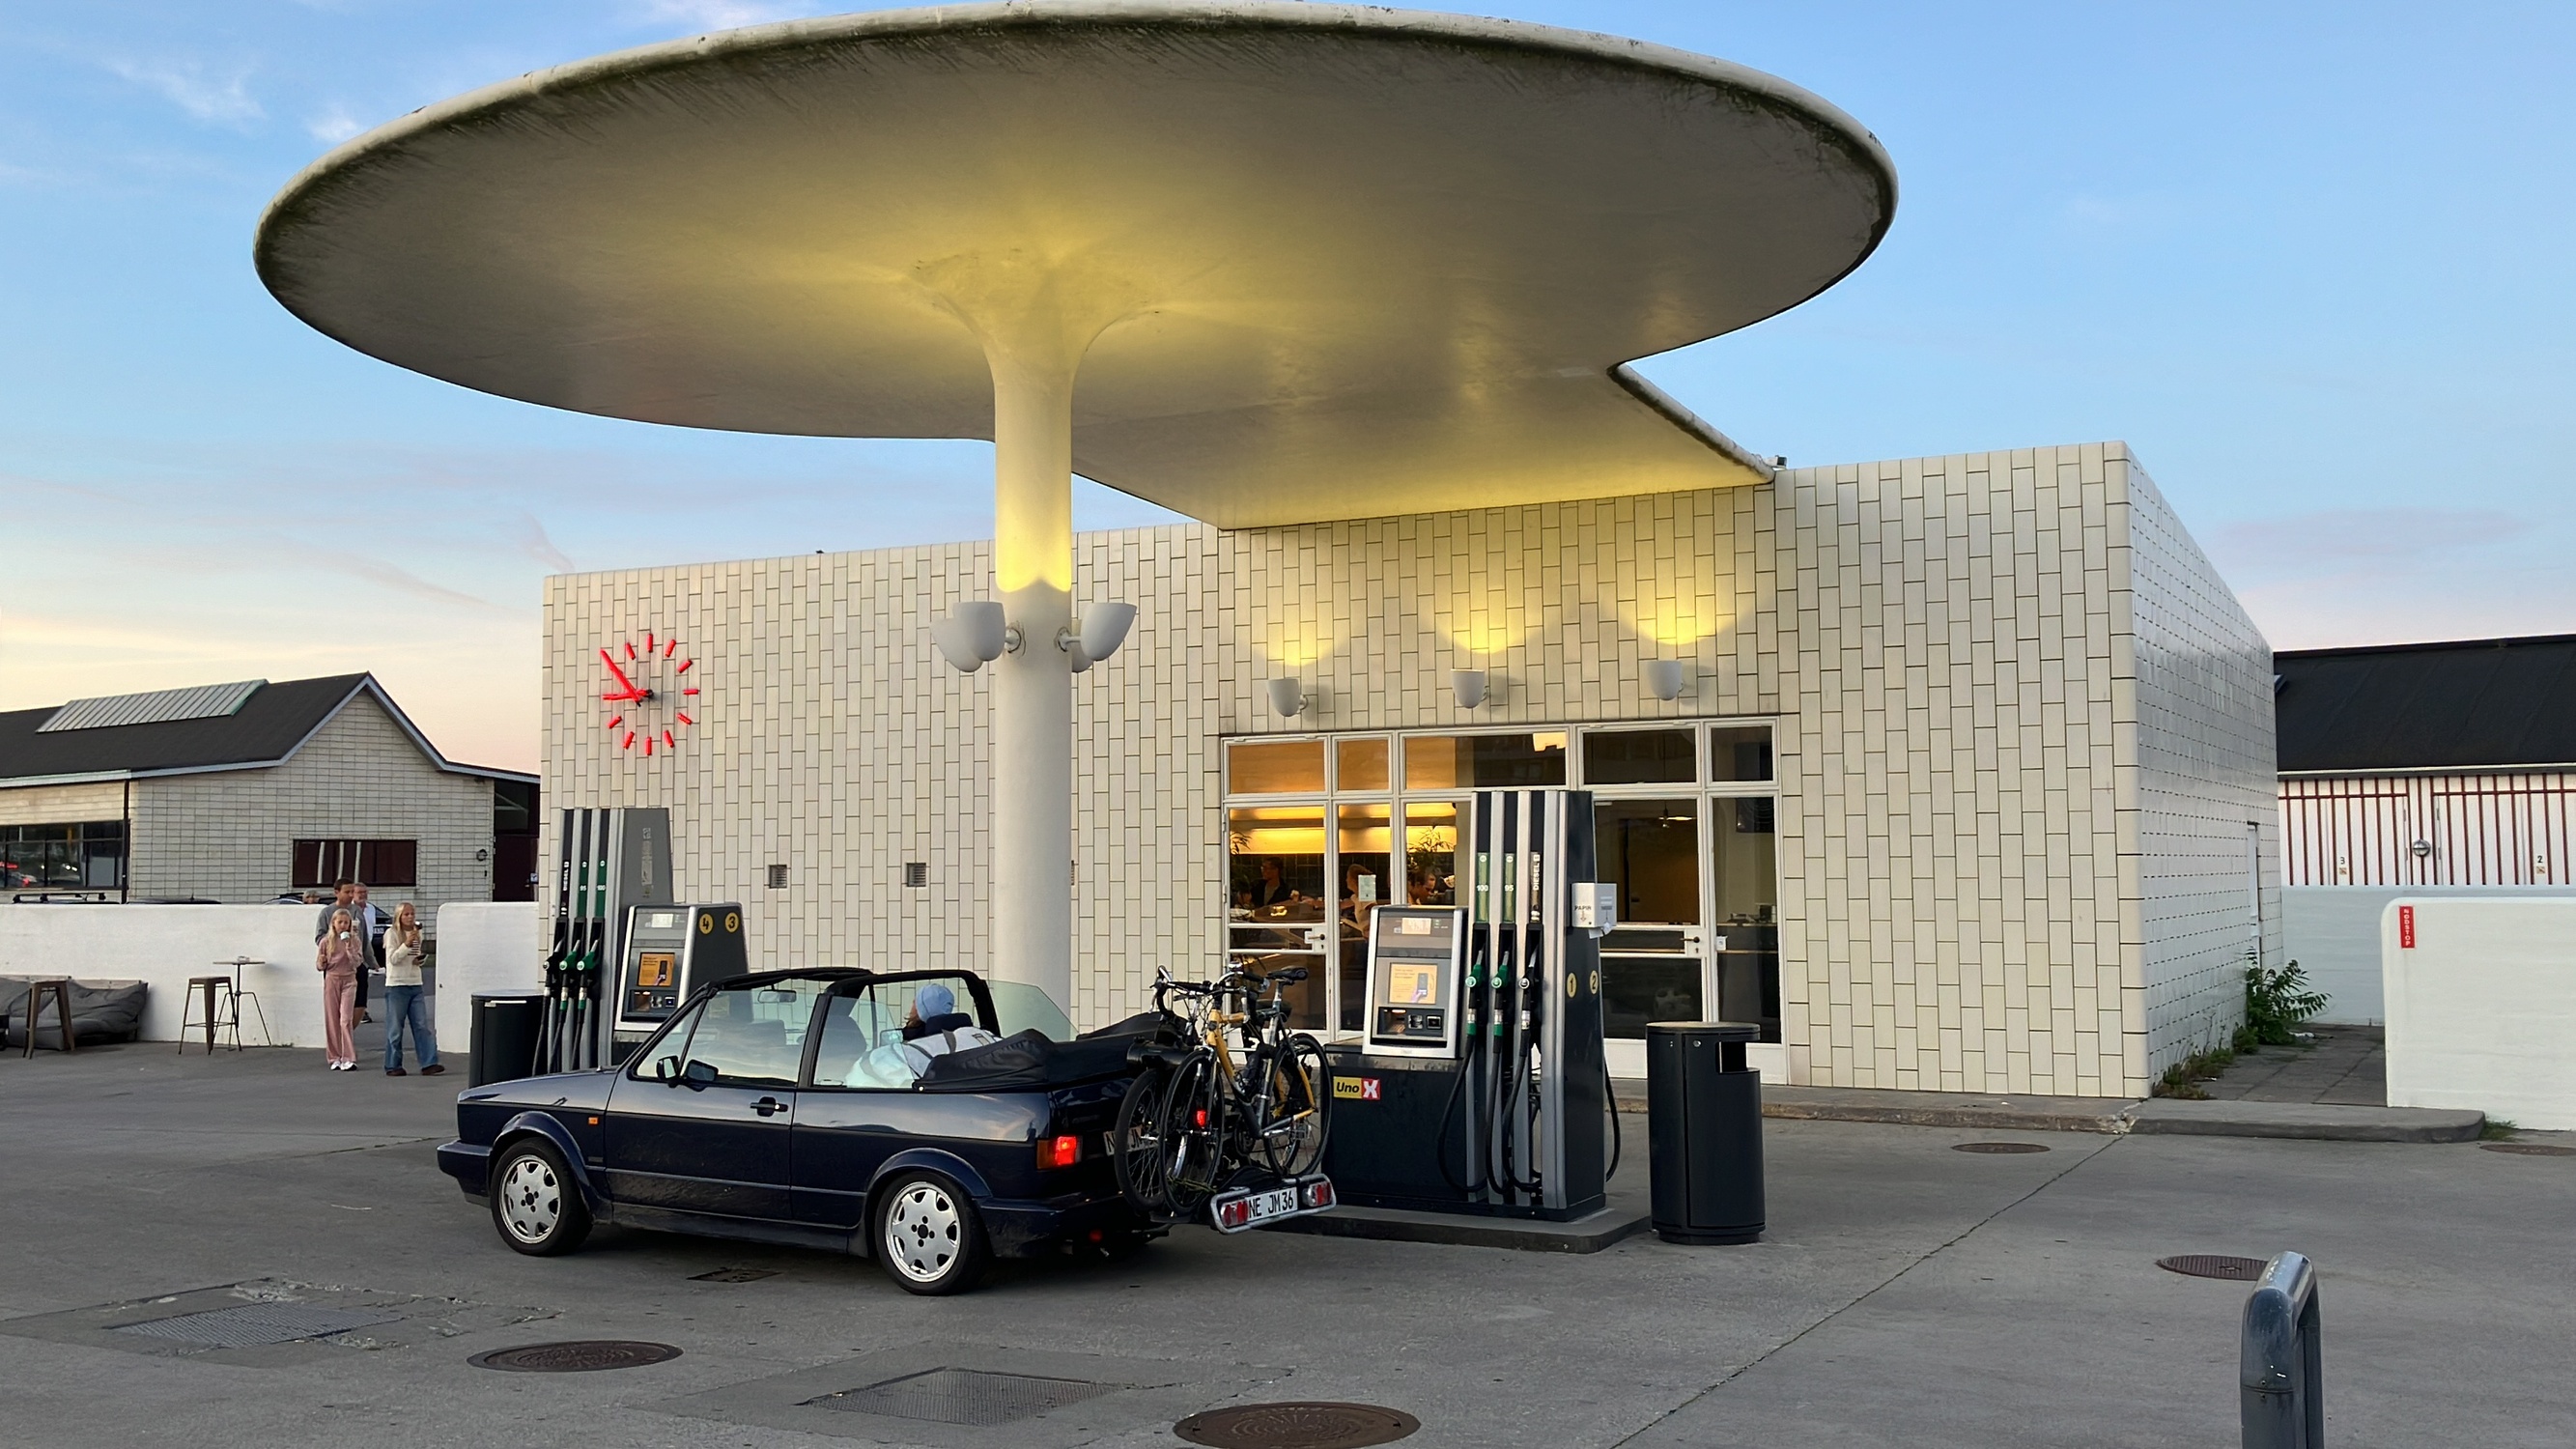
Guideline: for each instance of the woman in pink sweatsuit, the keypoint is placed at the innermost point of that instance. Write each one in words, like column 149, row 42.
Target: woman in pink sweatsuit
column 338, row 957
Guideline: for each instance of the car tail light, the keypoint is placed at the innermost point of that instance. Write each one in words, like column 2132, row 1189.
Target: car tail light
column 1319, row 1194
column 1234, row 1214
column 1062, row 1151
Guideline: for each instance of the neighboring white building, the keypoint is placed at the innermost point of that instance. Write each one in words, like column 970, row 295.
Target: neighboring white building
column 245, row 792
column 2416, row 770
column 1970, row 786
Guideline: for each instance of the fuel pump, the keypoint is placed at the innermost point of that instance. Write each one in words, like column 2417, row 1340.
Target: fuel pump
column 671, row 951
column 1479, row 1083
column 613, row 859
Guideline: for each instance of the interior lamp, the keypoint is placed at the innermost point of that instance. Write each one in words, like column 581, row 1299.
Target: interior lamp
column 1288, row 697
column 972, row 637
column 1665, row 678
column 1469, row 686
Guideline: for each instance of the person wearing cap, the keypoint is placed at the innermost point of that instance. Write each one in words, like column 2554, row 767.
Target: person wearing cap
column 935, row 1027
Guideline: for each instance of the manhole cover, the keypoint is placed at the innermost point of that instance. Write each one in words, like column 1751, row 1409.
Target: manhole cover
column 254, row 1325
column 1998, row 1147
column 578, row 1356
column 1297, row 1426
column 966, row 1396
column 2213, row 1265
column 2529, row 1149
column 734, row 1275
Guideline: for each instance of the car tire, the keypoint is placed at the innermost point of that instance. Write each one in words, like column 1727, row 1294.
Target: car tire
column 536, row 1203
column 928, row 1238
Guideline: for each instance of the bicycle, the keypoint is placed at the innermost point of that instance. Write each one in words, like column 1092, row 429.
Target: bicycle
column 1196, row 1119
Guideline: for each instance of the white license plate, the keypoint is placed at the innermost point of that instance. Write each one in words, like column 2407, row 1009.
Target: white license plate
column 1276, row 1204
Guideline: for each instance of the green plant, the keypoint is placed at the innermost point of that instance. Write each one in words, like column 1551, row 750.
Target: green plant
column 2496, row 1129
column 2277, row 1000
column 2184, row 1077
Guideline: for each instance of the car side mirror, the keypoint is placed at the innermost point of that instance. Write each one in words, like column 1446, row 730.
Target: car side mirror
column 699, row 1074
column 666, row 1069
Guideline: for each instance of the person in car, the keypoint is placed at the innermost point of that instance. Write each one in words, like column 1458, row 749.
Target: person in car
column 934, row 1027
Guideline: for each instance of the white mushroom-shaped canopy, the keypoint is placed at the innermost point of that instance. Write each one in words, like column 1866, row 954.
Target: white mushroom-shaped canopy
column 1327, row 261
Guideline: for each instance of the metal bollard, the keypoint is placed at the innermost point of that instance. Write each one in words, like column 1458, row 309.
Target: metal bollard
column 2281, row 1359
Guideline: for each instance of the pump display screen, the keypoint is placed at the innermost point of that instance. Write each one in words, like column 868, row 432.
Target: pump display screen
column 655, row 989
column 1414, row 962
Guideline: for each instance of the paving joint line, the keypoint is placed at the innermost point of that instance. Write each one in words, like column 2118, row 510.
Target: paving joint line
column 1937, row 1250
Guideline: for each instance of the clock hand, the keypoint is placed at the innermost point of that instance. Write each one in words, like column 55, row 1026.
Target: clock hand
column 610, row 660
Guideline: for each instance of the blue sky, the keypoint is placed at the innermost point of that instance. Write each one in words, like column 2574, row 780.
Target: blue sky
column 2310, row 261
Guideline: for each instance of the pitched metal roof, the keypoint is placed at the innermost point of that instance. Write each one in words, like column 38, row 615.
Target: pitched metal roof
column 271, row 724
column 204, row 701
column 2468, row 704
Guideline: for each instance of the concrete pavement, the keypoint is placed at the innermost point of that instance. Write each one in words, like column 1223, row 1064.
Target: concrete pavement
column 1907, row 1294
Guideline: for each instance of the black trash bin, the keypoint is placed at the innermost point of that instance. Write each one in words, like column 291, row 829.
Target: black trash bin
column 1704, row 1120
column 505, row 1031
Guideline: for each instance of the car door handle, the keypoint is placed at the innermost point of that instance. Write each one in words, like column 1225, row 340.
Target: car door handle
column 769, row 1106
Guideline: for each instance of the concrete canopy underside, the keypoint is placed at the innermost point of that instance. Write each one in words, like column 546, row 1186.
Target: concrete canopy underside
column 1326, row 262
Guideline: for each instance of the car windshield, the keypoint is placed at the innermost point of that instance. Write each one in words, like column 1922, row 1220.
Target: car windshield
column 750, row 1035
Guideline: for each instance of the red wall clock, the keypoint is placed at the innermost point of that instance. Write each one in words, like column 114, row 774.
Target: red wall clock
column 651, row 697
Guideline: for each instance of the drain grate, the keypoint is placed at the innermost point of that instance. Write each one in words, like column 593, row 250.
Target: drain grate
column 2529, row 1149
column 2214, row 1265
column 1997, row 1147
column 1297, row 1426
column 734, row 1275
column 255, row 1325
column 964, row 1396
column 575, row 1356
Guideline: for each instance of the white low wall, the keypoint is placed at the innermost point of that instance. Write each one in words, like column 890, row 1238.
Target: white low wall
column 2333, row 932
column 163, row 946
column 2482, row 1006
column 484, row 946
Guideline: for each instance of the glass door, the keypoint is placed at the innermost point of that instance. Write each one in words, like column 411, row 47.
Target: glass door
column 1745, row 934
column 1364, row 851
column 1276, row 877
column 1653, row 965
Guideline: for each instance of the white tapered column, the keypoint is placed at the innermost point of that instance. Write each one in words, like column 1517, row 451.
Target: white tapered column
column 1033, row 691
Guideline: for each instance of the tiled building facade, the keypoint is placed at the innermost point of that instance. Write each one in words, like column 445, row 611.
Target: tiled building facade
column 2018, row 729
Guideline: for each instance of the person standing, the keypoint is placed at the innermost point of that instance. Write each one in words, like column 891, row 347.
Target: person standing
column 339, row 956
column 405, row 1000
column 371, row 937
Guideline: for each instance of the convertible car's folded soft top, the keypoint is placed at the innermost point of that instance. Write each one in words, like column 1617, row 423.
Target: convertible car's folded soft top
column 1028, row 1059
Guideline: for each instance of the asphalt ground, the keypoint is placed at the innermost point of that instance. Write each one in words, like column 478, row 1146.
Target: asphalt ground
column 1906, row 1294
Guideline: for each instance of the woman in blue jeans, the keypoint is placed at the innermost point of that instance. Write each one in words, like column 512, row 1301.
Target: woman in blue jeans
column 403, row 999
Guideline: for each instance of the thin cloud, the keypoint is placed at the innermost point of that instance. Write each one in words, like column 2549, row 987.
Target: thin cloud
column 401, row 580
column 719, row 14
column 536, row 544
column 223, row 99
column 334, row 125
column 2337, row 537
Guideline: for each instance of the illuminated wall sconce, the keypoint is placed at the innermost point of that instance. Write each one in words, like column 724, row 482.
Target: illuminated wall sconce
column 1288, row 697
column 1469, row 686
column 1665, row 678
column 972, row 637
column 1097, row 634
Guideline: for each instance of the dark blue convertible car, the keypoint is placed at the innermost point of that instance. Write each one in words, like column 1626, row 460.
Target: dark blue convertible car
column 787, row 1107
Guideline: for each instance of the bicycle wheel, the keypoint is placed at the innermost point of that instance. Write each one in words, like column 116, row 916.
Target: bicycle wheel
column 1191, row 1137
column 1297, row 1096
column 1134, row 1148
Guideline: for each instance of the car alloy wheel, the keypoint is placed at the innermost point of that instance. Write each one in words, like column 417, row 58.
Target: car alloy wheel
column 531, row 1199
column 928, row 1237
column 535, row 1203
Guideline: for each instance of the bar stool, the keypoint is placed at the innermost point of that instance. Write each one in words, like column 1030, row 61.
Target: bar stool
column 205, row 997
column 222, row 997
column 61, row 987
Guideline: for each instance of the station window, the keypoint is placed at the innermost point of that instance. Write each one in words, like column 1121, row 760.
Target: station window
column 1359, row 764
column 88, row 855
column 1274, row 767
column 1739, row 753
column 1484, row 762
column 1640, row 757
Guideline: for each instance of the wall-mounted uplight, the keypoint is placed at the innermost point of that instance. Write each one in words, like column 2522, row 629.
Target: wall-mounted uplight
column 1288, row 697
column 1097, row 634
column 1665, row 678
column 1469, row 686
column 972, row 637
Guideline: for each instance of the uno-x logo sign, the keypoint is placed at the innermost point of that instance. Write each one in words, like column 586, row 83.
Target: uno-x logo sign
column 1359, row 1089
